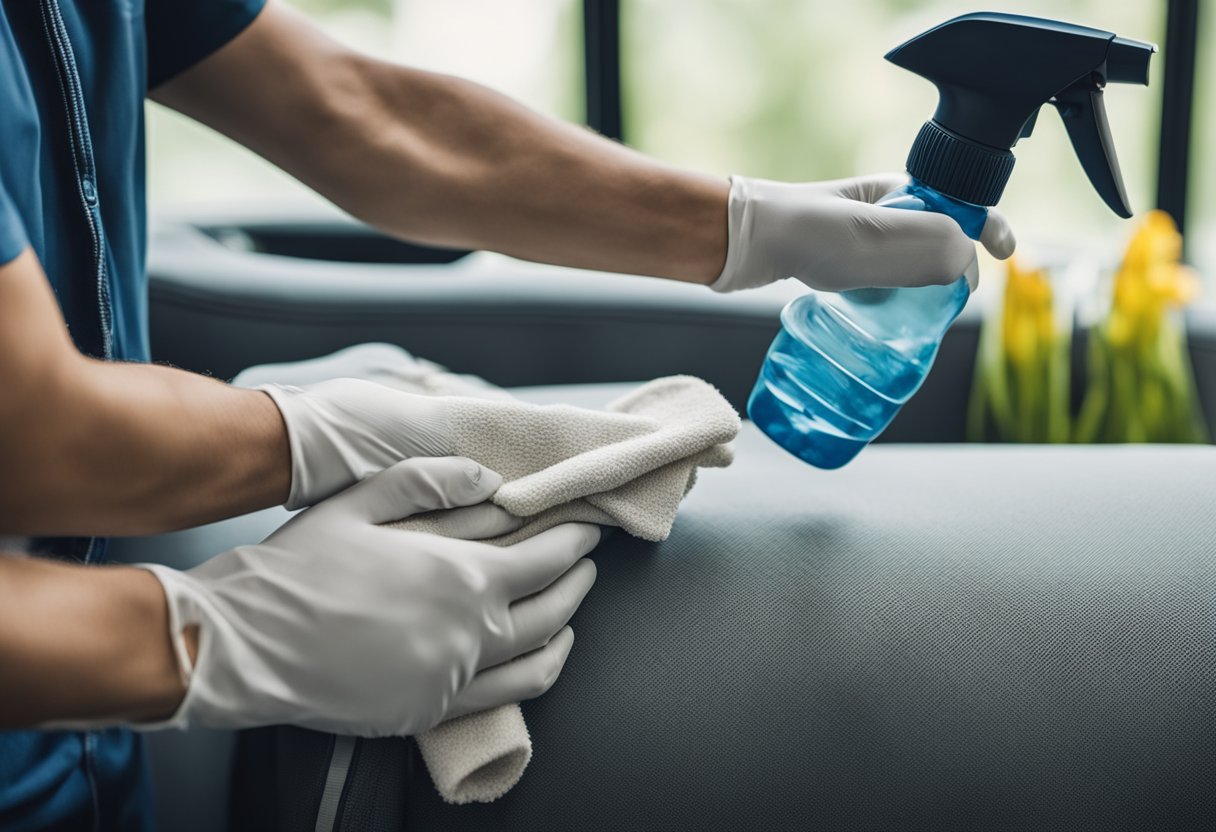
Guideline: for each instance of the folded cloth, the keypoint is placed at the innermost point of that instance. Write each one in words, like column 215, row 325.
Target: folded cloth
column 627, row 466
column 479, row 757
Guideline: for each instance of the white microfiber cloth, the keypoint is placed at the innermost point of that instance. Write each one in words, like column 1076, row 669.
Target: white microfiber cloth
column 628, row 466
column 477, row 758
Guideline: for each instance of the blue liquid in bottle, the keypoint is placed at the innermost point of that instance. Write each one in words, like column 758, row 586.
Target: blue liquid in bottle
column 843, row 364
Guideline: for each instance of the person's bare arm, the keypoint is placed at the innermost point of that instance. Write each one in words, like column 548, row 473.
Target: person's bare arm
column 448, row 162
column 95, row 448
column 83, row 643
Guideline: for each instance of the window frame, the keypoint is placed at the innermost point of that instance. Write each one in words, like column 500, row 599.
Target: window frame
column 602, row 66
column 1180, row 56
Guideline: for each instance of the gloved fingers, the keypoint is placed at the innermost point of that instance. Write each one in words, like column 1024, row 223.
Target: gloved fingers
column 531, row 565
column 524, row 678
column 479, row 522
column 536, row 619
column 911, row 248
column 414, row 486
column 997, row 235
column 869, row 188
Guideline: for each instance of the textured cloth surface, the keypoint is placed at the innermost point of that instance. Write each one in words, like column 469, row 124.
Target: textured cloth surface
column 628, row 466
column 479, row 757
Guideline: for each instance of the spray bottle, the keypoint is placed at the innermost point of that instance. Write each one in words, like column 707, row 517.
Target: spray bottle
column 843, row 364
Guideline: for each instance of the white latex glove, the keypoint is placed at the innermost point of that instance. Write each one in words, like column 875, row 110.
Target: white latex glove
column 832, row 237
column 343, row 430
column 337, row 624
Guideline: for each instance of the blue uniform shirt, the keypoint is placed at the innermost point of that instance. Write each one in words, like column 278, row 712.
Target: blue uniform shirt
column 73, row 75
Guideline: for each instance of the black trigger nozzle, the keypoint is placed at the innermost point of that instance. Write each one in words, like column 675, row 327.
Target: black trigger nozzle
column 1028, row 126
column 993, row 72
column 1127, row 61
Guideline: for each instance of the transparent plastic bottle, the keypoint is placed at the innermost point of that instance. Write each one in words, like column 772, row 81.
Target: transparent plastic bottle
column 843, row 364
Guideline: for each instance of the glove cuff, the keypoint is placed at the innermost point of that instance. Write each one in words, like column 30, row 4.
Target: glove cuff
column 342, row 430
column 740, row 217
column 230, row 683
column 184, row 612
column 302, row 439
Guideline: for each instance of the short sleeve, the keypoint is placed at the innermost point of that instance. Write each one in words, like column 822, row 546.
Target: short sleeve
column 13, row 240
column 182, row 32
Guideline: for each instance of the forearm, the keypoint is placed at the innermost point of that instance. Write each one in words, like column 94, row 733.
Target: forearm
column 83, row 643
column 126, row 449
column 97, row 448
column 448, row 162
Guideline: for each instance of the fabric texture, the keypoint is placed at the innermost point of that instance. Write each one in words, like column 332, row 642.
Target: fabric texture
column 628, row 466
column 68, row 780
column 182, row 34
column 934, row 637
column 72, row 171
column 12, row 233
column 479, row 757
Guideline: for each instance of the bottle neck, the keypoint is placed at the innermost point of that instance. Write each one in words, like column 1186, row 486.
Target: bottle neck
column 970, row 217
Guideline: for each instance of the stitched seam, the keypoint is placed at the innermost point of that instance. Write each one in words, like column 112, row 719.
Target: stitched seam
column 73, row 102
column 89, row 740
column 80, row 114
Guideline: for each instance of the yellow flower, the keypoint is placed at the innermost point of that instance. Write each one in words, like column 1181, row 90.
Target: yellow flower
column 1027, row 324
column 1141, row 385
column 1150, row 281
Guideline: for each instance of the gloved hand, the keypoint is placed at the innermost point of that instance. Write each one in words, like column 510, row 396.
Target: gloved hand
column 831, row 236
column 343, row 430
column 337, row 624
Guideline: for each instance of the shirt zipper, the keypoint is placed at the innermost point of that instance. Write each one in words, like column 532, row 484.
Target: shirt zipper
column 82, row 157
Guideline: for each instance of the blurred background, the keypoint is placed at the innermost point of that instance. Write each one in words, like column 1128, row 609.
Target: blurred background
column 792, row 89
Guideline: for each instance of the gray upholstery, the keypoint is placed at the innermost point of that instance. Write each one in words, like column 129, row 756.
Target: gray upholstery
column 932, row 637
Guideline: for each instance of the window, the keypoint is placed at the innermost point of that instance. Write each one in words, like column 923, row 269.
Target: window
column 529, row 50
column 1201, row 222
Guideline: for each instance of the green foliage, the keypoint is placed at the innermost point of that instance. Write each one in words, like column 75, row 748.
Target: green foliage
column 380, row 7
column 1140, row 384
column 1022, row 370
